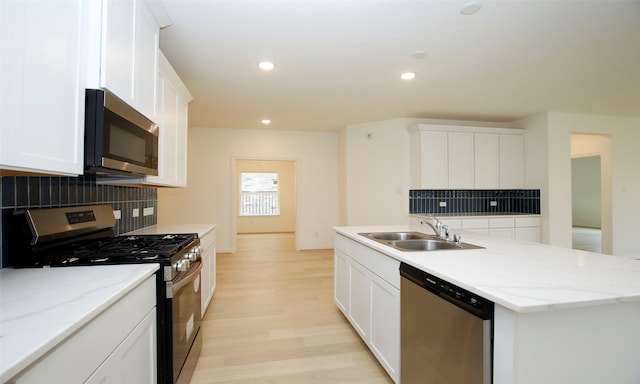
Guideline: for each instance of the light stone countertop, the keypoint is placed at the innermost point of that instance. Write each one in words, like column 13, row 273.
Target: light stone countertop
column 200, row 229
column 40, row 307
column 521, row 276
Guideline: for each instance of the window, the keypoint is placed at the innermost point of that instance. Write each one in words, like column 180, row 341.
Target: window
column 259, row 194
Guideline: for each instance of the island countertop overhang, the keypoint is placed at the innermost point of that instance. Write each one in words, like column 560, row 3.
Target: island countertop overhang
column 521, row 276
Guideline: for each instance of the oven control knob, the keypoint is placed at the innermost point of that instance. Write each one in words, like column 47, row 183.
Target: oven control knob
column 182, row 265
column 192, row 256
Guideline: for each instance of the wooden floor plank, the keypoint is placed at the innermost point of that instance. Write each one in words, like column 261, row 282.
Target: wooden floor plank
column 272, row 320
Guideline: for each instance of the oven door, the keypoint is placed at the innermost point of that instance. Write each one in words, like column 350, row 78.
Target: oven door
column 186, row 317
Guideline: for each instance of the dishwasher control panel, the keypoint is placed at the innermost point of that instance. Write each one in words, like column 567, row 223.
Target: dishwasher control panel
column 449, row 291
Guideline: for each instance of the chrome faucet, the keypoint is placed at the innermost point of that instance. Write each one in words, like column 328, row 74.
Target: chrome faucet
column 437, row 228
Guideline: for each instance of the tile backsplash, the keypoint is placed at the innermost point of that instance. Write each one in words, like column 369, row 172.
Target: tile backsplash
column 474, row 201
column 21, row 192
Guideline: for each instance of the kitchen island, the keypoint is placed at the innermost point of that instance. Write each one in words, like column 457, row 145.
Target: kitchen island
column 561, row 315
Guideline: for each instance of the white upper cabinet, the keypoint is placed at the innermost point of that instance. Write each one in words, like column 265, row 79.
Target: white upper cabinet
column 43, row 75
column 129, row 51
column 51, row 51
column 511, row 161
column 460, row 159
column 428, row 154
column 173, row 108
column 487, row 160
column 455, row 157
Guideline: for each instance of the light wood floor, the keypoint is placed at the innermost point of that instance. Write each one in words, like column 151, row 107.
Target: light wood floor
column 273, row 320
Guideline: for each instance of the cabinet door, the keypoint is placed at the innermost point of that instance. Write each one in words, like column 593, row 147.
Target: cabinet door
column 511, row 161
column 212, row 271
column 118, row 49
column 504, row 233
column 359, row 299
column 182, row 117
column 205, row 281
column 208, row 275
column 341, row 282
column 385, row 325
column 42, row 58
column 130, row 54
column 528, row 234
column 134, row 361
column 173, row 111
column 169, row 121
column 146, row 61
column 433, row 163
column 487, row 160
column 460, row 157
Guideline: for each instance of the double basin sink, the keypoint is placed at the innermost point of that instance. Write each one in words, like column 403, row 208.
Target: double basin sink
column 416, row 241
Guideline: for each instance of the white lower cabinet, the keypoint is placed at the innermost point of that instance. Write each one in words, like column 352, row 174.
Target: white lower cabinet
column 359, row 299
column 385, row 325
column 208, row 244
column 366, row 289
column 528, row 229
column 341, row 281
column 117, row 346
column 134, row 360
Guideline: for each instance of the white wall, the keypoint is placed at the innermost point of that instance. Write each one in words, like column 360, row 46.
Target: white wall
column 377, row 173
column 548, row 162
column 207, row 199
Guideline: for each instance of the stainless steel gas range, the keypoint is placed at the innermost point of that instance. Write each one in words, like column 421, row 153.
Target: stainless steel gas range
column 74, row 236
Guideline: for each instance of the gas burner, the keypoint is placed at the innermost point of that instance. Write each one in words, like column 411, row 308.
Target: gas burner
column 150, row 257
column 99, row 259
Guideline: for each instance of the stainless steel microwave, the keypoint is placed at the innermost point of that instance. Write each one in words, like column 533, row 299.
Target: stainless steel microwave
column 118, row 139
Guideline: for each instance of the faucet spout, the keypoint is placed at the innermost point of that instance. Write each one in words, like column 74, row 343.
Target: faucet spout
column 437, row 228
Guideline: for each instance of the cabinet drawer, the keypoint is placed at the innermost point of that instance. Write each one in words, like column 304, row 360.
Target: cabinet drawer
column 527, row 222
column 502, row 222
column 382, row 265
column 475, row 223
column 341, row 243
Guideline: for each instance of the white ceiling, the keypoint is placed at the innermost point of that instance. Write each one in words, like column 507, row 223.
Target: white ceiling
column 338, row 62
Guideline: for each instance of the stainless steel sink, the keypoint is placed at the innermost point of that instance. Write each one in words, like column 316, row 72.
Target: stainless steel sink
column 416, row 241
column 396, row 235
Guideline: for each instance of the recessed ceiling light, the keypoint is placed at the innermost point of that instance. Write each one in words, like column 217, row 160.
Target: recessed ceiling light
column 470, row 8
column 266, row 121
column 418, row 55
column 266, row 65
column 408, row 76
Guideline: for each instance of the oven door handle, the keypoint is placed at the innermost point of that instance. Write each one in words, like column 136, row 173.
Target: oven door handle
column 172, row 287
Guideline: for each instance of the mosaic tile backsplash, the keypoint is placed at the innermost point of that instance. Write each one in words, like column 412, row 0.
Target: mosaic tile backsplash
column 474, row 201
column 20, row 192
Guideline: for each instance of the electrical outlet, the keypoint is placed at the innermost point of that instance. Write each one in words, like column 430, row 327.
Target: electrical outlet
column 148, row 211
column 493, row 203
column 136, row 212
column 117, row 214
column 443, row 204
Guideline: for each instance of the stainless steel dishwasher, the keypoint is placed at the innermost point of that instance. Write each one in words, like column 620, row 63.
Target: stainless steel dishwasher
column 446, row 331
